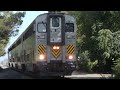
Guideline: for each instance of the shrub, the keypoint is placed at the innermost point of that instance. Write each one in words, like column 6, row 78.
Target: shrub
column 116, row 69
column 84, row 62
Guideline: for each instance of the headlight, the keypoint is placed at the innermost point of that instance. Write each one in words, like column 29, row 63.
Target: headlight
column 70, row 57
column 56, row 47
column 41, row 57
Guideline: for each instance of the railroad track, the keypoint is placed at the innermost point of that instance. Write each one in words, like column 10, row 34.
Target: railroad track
column 36, row 76
column 30, row 75
column 18, row 74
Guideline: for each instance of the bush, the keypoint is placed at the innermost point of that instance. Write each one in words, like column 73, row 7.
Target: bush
column 116, row 69
column 84, row 62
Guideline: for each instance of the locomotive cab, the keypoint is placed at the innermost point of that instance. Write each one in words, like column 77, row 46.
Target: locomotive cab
column 57, row 50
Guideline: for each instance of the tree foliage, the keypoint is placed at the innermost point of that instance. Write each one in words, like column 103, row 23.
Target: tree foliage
column 116, row 69
column 98, row 33
column 9, row 24
column 85, row 64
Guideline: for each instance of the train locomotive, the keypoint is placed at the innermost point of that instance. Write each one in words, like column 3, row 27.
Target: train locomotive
column 47, row 46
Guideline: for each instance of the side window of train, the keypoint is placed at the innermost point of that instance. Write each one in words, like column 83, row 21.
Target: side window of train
column 69, row 27
column 33, row 54
column 27, row 57
column 18, row 59
column 24, row 55
column 41, row 27
column 22, row 58
column 13, row 60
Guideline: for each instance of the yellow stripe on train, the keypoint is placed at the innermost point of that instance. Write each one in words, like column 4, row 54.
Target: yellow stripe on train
column 70, row 49
column 56, row 53
column 41, row 49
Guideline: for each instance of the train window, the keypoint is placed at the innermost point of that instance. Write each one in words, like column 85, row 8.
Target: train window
column 33, row 54
column 28, row 33
column 69, row 27
column 41, row 27
column 22, row 58
column 13, row 60
column 55, row 22
column 18, row 59
column 24, row 55
column 28, row 57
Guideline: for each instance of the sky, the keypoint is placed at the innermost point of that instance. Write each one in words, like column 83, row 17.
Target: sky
column 27, row 20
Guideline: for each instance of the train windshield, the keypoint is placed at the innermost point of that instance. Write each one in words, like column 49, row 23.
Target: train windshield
column 69, row 27
column 55, row 22
column 41, row 27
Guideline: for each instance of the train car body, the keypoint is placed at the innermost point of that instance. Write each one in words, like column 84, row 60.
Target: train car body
column 47, row 46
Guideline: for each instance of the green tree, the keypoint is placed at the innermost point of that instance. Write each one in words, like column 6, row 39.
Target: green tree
column 116, row 69
column 116, row 45
column 96, row 33
column 9, row 24
column 105, row 44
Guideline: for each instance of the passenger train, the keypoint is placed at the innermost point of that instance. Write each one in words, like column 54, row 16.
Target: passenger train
column 47, row 46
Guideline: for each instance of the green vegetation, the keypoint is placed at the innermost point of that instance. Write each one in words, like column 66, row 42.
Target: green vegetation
column 116, row 69
column 85, row 64
column 99, row 34
column 9, row 24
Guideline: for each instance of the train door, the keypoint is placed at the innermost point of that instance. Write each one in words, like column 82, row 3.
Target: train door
column 56, row 38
